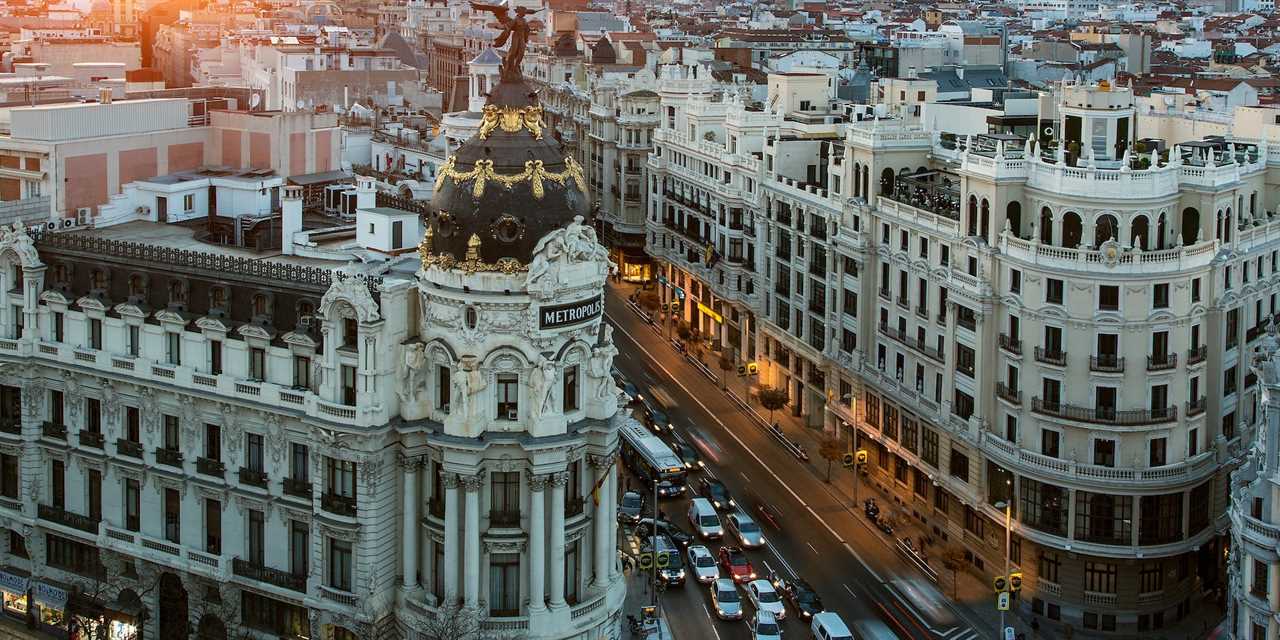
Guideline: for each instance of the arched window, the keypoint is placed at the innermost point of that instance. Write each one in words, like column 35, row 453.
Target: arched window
column 1104, row 229
column 1190, row 226
column 886, row 182
column 137, row 286
column 260, row 306
column 1138, row 233
column 984, row 220
column 857, row 179
column 973, row 216
column 1046, row 226
column 1013, row 215
column 1072, row 230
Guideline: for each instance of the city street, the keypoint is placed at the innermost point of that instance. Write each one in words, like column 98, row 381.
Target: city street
column 823, row 539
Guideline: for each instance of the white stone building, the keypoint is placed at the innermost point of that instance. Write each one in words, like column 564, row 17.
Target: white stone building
column 1254, row 567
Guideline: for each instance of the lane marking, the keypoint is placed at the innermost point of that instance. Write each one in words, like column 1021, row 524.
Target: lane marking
column 778, row 554
column 851, row 593
column 864, row 564
column 824, row 524
column 811, row 547
column 706, row 610
column 744, row 477
column 698, row 401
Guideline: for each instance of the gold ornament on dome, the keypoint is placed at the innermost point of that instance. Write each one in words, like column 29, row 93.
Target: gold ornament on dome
column 511, row 120
column 472, row 264
column 534, row 172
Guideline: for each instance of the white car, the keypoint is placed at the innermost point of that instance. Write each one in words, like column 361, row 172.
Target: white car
column 765, row 598
column 745, row 529
column 705, row 569
column 765, row 627
column 725, row 599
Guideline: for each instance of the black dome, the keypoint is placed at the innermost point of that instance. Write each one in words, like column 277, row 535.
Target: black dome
column 508, row 186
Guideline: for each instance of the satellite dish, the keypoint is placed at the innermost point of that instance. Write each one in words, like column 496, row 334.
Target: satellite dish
column 301, row 104
column 254, row 101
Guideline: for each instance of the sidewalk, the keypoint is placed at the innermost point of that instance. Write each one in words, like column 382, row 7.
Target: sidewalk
column 970, row 584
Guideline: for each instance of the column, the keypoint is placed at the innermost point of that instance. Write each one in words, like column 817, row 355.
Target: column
column 409, row 543
column 471, row 547
column 609, row 495
column 601, row 525
column 537, row 542
column 558, row 482
column 450, row 537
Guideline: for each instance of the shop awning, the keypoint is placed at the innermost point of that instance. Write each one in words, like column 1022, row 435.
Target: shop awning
column 49, row 595
column 14, row 581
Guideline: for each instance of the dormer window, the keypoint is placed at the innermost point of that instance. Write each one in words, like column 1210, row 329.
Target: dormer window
column 60, row 274
column 219, row 298
column 260, row 305
column 177, row 292
column 98, row 280
column 137, row 287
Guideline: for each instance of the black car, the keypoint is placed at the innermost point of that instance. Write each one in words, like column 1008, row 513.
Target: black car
column 656, row 419
column 715, row 491
column 687, row 454
column 800, row 596
column 680, row 537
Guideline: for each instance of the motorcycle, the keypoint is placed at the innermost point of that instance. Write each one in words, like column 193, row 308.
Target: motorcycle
column 870, row 507
column 768, row 515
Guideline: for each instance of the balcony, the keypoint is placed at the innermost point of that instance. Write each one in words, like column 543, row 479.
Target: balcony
column 253, row 477
column 1006, row 393
column 54, row 430
column 67, row 518
column 170, row 457
column 1106, row 363
column 1195, row 407
column 1162, row 362
column 968, row 322
column 211, row 467
column 11, row 425
column 1196, row 355
column 92, row 439
column 1105, row 415
column 297, row 487
column 338, row 505
column 129, row 448
column 1051, row 356
column 1011, row 344
column 283, row 579
column 506, row 519
column 913, row 343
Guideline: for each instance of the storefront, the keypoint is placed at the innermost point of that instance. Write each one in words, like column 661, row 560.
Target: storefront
column 14, row 583
column 89, row 619
column 50, row 608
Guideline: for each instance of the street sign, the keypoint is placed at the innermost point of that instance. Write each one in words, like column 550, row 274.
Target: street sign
column 1002, row 603
column 1015, row 581
column 663, row 560
column 862, row 456
column 1009, row 633
column 662, row 280
column 649, row 560
column 1000, row 584
column 646, row 561
column 848, row 459
column 679, row 293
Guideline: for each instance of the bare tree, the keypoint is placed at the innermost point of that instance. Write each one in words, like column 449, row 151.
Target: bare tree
column 953, row 560
column 454, row 622
column 773, row 399
column 725, row 363
column 830, row 450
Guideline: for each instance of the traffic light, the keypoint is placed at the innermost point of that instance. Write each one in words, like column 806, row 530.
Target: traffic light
column 752, row 368
column 1001, row 584
column 862, row 456
column 742, row 370
column 1002, row 601
column 848, row 459
column 1015, row 581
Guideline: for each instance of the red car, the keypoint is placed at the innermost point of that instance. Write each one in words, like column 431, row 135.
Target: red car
column 735, row 563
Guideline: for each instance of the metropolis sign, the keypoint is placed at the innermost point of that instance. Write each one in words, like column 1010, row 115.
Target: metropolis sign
column 564, row 315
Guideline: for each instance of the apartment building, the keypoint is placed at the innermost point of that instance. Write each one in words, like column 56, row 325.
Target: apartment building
column 1051, row 324
column 1254, row 565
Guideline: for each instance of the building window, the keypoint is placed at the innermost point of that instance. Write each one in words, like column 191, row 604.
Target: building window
column 941, row 500
column 57, row 326
column 173, row 348
column 1049, row 564
column 443, row 388
column 1104, row 452
column 135, row 340
column 93, row 487
column 213, row 526
column 569, row 389
column 9, row 468
column 504, row 507
column 348, row 385
column 1160, row 296
column 1104, row 518
column 213, row 442
column 929, row 447
column 93, row 415
column 58, row 486
column 1158, row 450
column 974, row 522
column 572, row 572
column 132, row 505
column 301, row 372
column 95, row 333
column 342, row 478
column 1100, row 577
column 1260, row 578
column 257, row 537
column 1044, row 506
column 253, row 451
column 172, row 516
column 300, row 547
column 959, row 465
column 298, row 462
column 508, row 397
column 504, row 584
column 171, row 433
column 273, row 616
column 1053, row 291
column 1161, row 519
column 350, row 333
column 70, row 555
column 132, row 423
column 257, row 364
column 215, row 357
column 340, row 564
column 1050, row 442
column 56, row 408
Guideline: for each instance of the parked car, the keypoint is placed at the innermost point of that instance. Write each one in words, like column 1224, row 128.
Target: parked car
column 715, row 491
column 629, row 508
column 725, row 600
column 734, row 562
column 746, row 530
column 800, row 596
column 703, row 564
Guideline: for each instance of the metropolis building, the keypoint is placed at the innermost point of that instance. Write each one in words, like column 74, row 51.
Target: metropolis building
column 1061, row 322
column 196, row 440
column 1254, row 600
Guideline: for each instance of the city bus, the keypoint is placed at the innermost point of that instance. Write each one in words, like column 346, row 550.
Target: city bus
column 650, row 458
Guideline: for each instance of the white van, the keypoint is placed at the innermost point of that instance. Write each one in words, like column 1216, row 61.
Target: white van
column 828, row 626
column 704, row 519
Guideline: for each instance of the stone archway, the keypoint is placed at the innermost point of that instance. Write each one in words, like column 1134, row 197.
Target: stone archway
column 173, row 607
column 1072, row 230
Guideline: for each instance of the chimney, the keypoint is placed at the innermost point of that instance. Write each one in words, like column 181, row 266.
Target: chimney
column 290, row 217
column 104, row 95
column 366, row 193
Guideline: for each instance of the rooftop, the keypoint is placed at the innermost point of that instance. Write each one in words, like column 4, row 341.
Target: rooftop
column 182, row 237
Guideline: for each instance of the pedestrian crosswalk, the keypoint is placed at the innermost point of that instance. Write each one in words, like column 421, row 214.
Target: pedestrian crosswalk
column 958, row 633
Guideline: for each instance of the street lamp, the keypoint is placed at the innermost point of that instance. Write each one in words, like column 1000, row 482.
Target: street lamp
column 1007, row 505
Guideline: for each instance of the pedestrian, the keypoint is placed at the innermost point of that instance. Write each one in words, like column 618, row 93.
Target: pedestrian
column 1035, row 625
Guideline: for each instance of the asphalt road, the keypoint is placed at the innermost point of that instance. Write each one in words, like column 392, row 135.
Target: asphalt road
column 821, row 540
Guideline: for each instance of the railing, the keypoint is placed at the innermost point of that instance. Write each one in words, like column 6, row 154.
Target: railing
column 337, row 595
column 884, row 295
column 284, row 579
column 1106, row 363
column 1046, row 356
column 1100, row 599
column 170, row 457
column 253, row 477
column 922, row 311
column 93, row 439
column 67, row 518
column 1012, row 395
column 1162, row 362
column 1197, row 355
column 1195, row 407
column 339, row 505
column 1011, row 344
column 1105, row 415
column 912, row 342
column 904, row 302
column 129, row 448
column 211, row 467
column 299, row 487
column 11, row 425
column 55, row 430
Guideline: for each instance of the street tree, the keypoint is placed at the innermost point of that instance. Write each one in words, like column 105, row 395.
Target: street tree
column 773, row 398
column 649, row 301
column 454, row 622
column 725, row 363
column 953, row 560
column 830, row 450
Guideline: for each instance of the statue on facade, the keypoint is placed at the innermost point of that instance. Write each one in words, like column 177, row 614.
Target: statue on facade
column 514, row 28
column 598, row 366
column 415, row 361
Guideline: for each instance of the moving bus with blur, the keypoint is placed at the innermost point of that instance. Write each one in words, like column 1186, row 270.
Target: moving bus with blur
column 650, row 458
